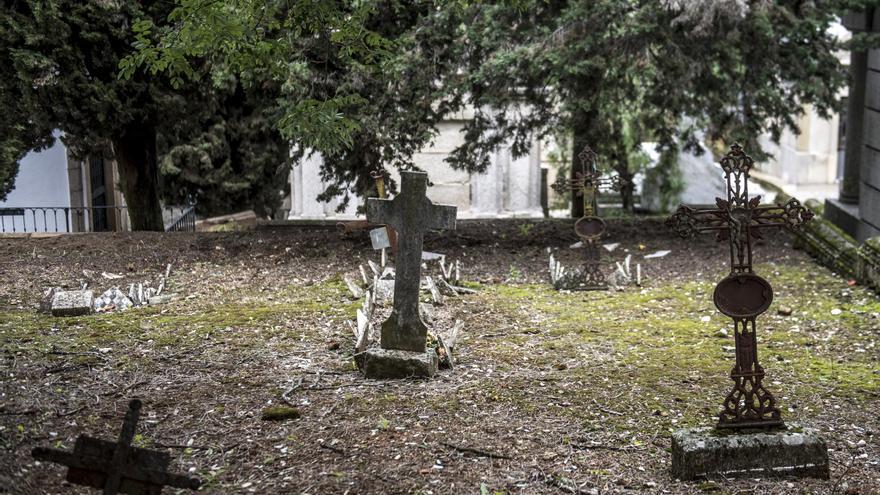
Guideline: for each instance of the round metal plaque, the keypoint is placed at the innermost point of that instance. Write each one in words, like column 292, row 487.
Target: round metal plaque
column 589, row 227
column 743, row 295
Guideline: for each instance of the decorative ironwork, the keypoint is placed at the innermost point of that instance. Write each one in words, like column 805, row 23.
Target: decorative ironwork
column 742, row 295
column 118, row 467
column 590, row 227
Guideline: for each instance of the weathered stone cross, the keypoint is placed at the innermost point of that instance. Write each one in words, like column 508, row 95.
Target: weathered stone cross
column 411, row 214
column 742, row 295
column 117, row 467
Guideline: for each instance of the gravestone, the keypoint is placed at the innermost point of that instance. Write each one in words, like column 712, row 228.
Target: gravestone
column 760, row 441
column 72, row 302
column 117, row 467
column 404, row 334
column 589, row 228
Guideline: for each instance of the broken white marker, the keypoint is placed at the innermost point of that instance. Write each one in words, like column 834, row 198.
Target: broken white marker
column 611, row 247
column 657, row 254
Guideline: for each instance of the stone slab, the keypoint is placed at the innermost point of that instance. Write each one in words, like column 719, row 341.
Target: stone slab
column 72, row 303
column 383, row 364
column 791, row 452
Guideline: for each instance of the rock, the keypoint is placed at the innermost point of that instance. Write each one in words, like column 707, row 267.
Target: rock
column 164, row 298
column 784, row 311
column 382, row 364
column 72, row 303
column 706, row 452
column 722, row 333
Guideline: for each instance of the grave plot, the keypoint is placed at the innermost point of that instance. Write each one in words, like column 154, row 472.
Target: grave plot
column 249, row 384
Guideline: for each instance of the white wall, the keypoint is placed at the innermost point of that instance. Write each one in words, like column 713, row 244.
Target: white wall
column 41, row 181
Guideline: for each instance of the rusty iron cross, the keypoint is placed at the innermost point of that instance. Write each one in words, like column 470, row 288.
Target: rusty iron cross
column 117, row 467
column 742, row 295
column 590, row 227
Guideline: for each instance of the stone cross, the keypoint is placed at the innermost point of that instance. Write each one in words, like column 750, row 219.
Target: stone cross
column 117, row 467
column 411, row 214
column 590, row 227
column 742, row 295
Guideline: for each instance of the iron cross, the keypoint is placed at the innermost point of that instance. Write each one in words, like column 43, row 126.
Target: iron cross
column 411, row 214
column 742, row 295
column 590, row 227
column 117, row 468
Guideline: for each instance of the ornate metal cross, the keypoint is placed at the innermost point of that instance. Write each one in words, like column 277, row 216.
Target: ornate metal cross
column 590, row 227
column 742, row 295
column 411, row 214
column 117, row 467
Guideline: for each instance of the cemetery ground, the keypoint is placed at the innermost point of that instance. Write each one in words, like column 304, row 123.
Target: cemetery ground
column 551, row 393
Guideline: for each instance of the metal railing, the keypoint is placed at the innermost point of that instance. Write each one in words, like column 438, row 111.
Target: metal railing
column 66, row 219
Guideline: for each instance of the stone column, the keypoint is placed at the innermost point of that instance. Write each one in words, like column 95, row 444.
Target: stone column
column 524, row 184
column 305, row 186
column 487, row 188
column 858, row 69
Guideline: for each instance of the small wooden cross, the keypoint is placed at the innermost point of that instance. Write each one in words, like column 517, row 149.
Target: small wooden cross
column 742, row 295
column 117, row 467
column 590, row 227
column 411, row 214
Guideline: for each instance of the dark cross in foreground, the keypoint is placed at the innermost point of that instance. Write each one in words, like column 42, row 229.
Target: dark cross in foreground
column 590, row 228
column 117, row 467
column 742, row 295
column 411, row 214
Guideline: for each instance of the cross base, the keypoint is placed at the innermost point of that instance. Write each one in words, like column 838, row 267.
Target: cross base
column 705, row 453
column 405, row 334
column 749, row 404
column 590, row 277
column 389, row 364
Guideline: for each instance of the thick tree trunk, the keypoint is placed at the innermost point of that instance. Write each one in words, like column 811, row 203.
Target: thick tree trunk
column 135, row 151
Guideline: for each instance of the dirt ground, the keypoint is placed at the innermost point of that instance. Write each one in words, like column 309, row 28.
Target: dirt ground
column 552, row 393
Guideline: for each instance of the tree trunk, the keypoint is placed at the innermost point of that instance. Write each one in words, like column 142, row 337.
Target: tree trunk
column 135, row 151
column 583, row 122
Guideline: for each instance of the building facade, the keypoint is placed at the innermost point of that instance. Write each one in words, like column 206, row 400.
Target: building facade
column 510, row 187
column 856, row 210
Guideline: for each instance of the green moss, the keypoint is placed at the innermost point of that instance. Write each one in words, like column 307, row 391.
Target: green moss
column 280, row 413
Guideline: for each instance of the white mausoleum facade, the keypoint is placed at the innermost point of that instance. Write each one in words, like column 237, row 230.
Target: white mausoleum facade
column 510, row 187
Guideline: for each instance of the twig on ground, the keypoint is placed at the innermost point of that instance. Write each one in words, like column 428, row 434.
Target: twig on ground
column 471, row 450
column 332, row 448
column 605, row 410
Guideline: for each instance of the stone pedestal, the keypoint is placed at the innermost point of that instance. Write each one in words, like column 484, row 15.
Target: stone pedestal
column 383, row 364
column 707, row 452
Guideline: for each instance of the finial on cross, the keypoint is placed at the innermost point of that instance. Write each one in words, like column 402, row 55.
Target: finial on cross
column 117, row 467
column 742, row 295
column 411, row 214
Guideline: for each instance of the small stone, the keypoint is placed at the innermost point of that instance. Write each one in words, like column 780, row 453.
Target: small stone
column 280, row 413
column 721, row 333
column 784, row 311
column 836, row 311
column 706, row 319
column 72, row 303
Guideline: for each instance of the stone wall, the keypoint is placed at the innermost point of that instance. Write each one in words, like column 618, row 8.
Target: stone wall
column 869, row 189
